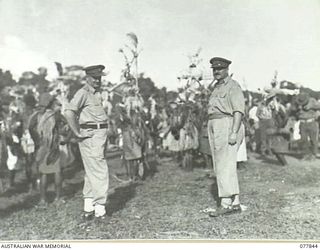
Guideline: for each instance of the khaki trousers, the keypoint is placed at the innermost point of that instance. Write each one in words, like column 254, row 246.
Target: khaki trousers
column 224, row 157
column 96, row 179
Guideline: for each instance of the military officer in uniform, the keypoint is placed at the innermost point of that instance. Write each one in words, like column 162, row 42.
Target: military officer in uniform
column 88, row 120
column 226, row 108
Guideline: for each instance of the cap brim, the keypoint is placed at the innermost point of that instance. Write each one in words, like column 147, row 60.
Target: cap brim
column 219, row 67
column 97, row 74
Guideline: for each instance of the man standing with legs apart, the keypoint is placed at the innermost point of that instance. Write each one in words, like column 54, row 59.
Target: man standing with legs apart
column 86, row 111
column 226, row 132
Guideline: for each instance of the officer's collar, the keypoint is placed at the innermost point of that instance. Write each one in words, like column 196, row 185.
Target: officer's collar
column 225, row 80
column 91, row 89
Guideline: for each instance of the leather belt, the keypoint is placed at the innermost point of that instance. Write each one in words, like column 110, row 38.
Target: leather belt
column 308, row 120
column 218, row 116
column 94, row 126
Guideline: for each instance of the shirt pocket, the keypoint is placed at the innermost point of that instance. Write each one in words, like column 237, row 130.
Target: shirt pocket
column 94, row 101
column 221, row 95
column 218, row 98
column 220, row 103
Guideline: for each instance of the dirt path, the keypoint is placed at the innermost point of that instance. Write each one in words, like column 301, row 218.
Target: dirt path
column 283, row 203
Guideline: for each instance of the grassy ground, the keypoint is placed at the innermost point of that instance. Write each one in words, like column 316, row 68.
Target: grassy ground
column 282, row 203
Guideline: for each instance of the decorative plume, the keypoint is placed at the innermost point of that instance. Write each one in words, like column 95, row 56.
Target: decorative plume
column 133, row 38
column 59, row 68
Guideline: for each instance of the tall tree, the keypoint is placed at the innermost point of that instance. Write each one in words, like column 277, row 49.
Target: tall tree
column 146, row 86
column 6, row 79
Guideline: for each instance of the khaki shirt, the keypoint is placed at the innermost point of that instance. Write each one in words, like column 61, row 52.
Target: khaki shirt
column 87, row 103
column 226, row 98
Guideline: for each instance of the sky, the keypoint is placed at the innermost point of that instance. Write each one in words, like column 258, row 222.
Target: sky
column 258, row 36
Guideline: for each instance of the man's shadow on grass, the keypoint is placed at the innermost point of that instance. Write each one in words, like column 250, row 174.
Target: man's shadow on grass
column 120, row 196
column 117, row 199
column 214, row 191
column 280, row 159
column 27, row 203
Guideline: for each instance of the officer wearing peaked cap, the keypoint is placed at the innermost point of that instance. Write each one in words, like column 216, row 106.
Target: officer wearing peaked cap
column 95, row 71
column 219, row 62
column 226, row 132
column 85, row 111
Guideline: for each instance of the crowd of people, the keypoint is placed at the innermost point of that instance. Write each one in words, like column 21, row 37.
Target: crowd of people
column 285, row 120
column 45, row 125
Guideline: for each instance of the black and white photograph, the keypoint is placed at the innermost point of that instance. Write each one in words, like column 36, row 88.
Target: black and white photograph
column 160, row 120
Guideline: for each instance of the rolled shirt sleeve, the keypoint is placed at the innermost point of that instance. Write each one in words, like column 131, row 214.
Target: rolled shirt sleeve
column 237, row 99
column 77, row 102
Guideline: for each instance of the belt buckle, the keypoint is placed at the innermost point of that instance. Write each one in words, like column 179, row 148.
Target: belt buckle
column 98, row 125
